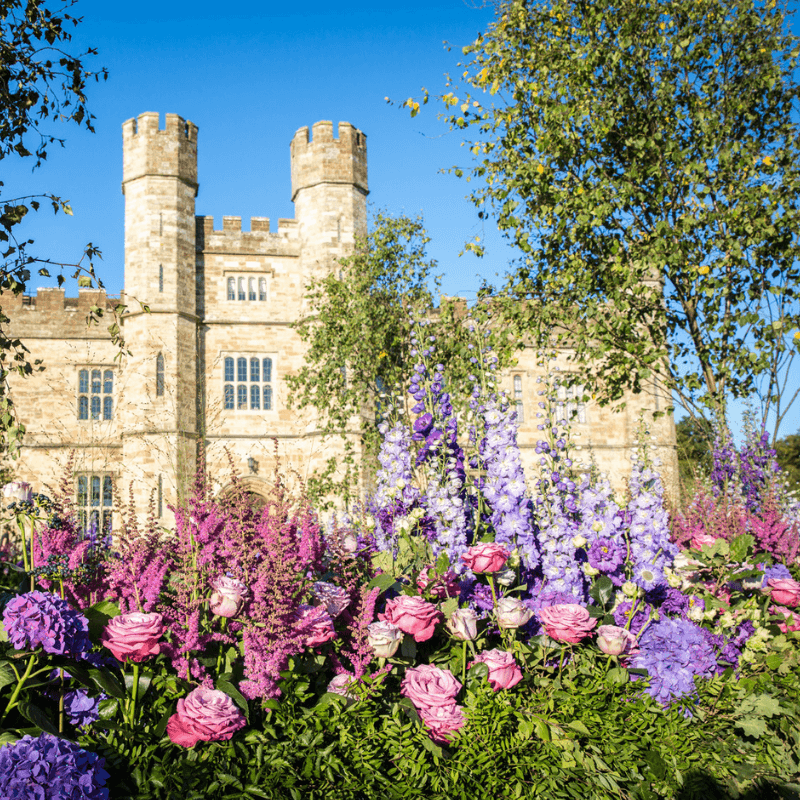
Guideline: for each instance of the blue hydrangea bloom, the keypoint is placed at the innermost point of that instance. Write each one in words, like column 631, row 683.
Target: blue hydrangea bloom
column 674, row 651
column 40, row 619
column 49, row 768
column 81, row 710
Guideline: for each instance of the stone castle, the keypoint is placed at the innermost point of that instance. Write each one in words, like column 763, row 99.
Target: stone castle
column 208, row 362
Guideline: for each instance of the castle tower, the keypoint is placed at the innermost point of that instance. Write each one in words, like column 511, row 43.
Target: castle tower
column 159, row 381
column 329, row 190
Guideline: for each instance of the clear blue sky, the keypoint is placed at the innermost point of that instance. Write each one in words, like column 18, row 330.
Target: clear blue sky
column 249, row 75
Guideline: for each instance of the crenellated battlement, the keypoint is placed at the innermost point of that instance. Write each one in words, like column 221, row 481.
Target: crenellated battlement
column 150, row 151
column 325, row 159
column 259, row 239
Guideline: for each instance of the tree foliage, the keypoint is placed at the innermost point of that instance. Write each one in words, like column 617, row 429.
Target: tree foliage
column 787, row 452
column 40, row 83
column 357, row 335
column 643, row 157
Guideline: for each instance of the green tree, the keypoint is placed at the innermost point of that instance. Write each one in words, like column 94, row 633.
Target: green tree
column 695, row 440
column 787, row 451
column 643, row 157
column 40, row 83
column 358, row 343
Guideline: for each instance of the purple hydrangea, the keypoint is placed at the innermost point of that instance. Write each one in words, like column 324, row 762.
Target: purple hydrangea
column 40, row 619
column 675, row 602
column 49, row 768
column 623, row 611
column 674, row 652
column 81, row 710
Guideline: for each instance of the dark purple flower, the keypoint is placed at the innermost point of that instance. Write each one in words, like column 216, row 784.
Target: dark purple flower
column 49, row 768
column 39, row 619
column 81, row 709
column 675, row 602
column 605, row 555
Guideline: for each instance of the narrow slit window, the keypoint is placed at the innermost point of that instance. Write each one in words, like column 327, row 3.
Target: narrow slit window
column 518, row 398
column 251, row 289
column 160, row 495
column 159, row 375
column 267, row 398
column 160, row 278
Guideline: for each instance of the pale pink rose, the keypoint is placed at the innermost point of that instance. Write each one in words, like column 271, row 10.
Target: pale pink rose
column 412, row 615
column 614, row 641
column 384, row 638
column 791, row 620
column 463, row 624
column 350, row 543
column 504, row 673
column 204, row 715
column 228, row 597
column 334, row 598
column 699, row 539
column 316, row 624
column 18, row 492
column 428, row 687
column 440, row 586
column 485, row 557
column 785, row 591
column 133, row 636
column 441, row 721
column 567, row 622
column 511, row 613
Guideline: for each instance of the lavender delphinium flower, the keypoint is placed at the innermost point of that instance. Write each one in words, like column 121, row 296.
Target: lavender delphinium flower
column 39, row 619
column 504, row 483
column 606, row 555
column 674, row 652
column 50, row 768
column 756, row 466
column 725, row 463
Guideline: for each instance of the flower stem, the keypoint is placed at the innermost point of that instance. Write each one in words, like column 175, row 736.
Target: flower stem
column 20, row 683
column 134, row 693
column 464, row 663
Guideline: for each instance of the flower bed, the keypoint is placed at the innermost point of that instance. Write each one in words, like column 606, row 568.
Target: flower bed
column 465, row 634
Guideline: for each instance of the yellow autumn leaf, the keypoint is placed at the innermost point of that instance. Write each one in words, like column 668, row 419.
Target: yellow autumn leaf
column 704, row 270
column 662, row 26
column 464, row 108
column 768, row 161
column 540, row 169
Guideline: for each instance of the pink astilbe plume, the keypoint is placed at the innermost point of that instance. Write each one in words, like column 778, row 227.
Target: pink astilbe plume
column 356, row 647
column 773, row 532
column 137, row 570
column 711, row 516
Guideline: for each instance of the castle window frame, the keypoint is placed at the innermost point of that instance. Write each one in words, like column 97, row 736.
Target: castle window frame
column 569, row 407
column 247, row 382
column 95, row 394
column 94, row 500
column 159, row 375
column 246, row 286
column 518, row 400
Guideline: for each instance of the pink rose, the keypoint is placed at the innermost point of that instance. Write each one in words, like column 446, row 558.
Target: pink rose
column 228, row 597
column 699, row 539
column 486, row 557
column 204, row 715
column 503, row 670
column 412, row 615
column 511, row 613
column 316, row 623
column 614, row 641
column 785, row 591
column 334, row 598
column 440, row 586
column 341, row 683
column 133, row 636
column 442, row 721
column 428, row 687
column 567, row 622
column 791, row 620
column 18, row 492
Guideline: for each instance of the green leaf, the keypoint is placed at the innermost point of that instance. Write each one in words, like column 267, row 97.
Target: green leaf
column 106, row 680
column 98, row 616
column 7, row 676
column 602, row 590
column 752, row 726
column 408, row 647
column 382, row 581
column 578, row 726
column 235, row 695
column 38, row 717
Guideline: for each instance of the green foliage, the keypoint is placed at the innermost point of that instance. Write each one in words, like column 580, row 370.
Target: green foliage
column 643, row 157
column 695, row 442
column 39, row 82
column 787, row 451
column 357, row 335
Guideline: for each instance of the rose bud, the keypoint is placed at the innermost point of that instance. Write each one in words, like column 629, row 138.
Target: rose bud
column 511, row 613
column 486, row 557
column 615, row 641
column 507, row 577
column 463, row 624
column 228, row 597
column 384, row 638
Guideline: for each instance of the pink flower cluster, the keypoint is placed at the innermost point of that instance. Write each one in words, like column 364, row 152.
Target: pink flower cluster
column 433, row 692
